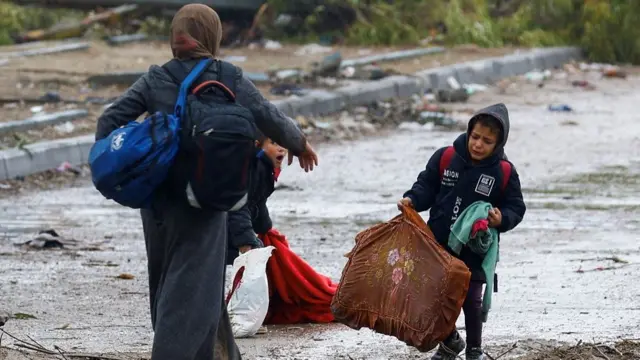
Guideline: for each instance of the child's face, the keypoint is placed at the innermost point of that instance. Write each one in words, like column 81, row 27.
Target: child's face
column 274, row 152
column 482, row 142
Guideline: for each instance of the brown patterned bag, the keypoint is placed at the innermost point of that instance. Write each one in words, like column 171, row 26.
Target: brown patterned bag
column 400, row 282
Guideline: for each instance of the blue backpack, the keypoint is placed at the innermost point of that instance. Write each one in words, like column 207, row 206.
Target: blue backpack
column 202, row 143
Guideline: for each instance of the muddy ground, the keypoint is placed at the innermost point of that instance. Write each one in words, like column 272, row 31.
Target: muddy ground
column 568, row 273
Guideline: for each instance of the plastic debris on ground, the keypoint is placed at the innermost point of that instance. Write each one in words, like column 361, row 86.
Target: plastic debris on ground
column 560, row 108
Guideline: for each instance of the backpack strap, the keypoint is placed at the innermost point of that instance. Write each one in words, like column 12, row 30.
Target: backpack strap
column 179, row 75
column 505, row 166
column 226, row 81
column 445, row 159
column 186, row 85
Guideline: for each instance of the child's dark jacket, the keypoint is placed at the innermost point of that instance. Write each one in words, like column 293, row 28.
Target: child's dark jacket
column 464, row 183
column 254, row 217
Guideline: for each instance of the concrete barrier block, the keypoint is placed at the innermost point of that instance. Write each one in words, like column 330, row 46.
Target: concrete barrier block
column 539, row 60
column 437, row 78
column 367, row 93
column 42, row 156
column 405, row 86
column 424, row 79
column 482, row 71
column 317, row 102
column 463, row 73
column 301, row 106
column 553, row 58
column 3, row 168
column 517, row 64
column 326, row 102
column 84, row 144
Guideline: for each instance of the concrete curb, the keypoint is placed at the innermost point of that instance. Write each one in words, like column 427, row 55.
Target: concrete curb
column 42, row 120
column 485, row 71
column 48, row 155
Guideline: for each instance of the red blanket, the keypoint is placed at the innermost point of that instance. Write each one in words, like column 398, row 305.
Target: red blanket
column 298, row 293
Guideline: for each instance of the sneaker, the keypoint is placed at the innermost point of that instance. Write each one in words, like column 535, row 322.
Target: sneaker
column 450, row 348
column 475, row 354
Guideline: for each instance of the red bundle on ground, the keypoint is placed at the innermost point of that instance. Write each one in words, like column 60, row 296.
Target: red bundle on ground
column 298, row 293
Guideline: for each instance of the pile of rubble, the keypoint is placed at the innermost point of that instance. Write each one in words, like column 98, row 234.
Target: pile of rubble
column 378, row 116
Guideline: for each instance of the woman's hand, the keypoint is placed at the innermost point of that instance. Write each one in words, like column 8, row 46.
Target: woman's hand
column 495, row 218
column 308, row 159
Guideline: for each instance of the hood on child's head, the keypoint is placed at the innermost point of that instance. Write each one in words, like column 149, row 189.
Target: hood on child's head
column 499, row 112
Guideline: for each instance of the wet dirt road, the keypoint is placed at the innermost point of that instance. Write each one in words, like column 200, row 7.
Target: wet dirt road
column 568, row 272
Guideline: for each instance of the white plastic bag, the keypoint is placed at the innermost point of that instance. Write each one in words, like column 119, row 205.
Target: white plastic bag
column 249, row 297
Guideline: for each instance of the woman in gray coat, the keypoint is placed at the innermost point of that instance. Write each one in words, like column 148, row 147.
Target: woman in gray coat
column 186, row 247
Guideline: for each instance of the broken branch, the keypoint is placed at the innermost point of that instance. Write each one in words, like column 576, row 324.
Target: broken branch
column 601, row 353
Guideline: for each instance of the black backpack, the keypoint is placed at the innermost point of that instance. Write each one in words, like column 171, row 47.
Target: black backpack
column 217, row 141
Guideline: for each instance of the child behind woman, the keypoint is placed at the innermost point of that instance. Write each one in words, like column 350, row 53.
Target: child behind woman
column 254, row 217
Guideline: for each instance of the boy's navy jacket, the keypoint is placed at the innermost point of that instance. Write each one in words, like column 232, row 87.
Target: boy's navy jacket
column 254, row 217
column 464, row 183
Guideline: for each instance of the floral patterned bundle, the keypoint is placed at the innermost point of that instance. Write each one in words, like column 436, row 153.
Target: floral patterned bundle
column 400, row 282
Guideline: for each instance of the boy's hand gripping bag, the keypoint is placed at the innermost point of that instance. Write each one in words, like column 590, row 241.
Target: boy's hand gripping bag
column 398, row 281
column 248, row 300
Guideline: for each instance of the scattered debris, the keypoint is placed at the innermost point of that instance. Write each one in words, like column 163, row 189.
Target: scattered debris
column 46, row 51
column 560, row 108
column 49, row 239
column 437, row 118
column 367, row 72
column 513, row 347
column 452, row 96
column 392, row 56
column 288, row 89
column 600, row 268
column 23, row 316
column 272, row 45
column 125, row 39
column 46, row 239
column 125, row 276
column 615, row 259
column 569, row 123
column 329, row 65
column 93, row 262
column 66, row 166
column 4, row 317
column 614, row 72
column 313, row 49
column 235, row 58
column 583, row 84
column 621, row 350
column 62, row 31
column 538, row 76
column 65, row 128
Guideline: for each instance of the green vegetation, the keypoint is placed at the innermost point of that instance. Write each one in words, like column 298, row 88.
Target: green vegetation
column 605, row 29
column 14, row 19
